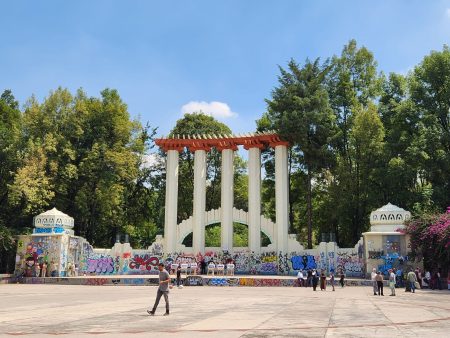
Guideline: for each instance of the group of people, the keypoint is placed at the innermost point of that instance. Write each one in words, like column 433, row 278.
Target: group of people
column 41, row 269
column 414, row 280
column 314, row 278
column 429, row 280
column 378, row 283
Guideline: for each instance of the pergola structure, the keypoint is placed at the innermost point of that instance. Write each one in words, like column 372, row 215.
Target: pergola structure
column 227, row 145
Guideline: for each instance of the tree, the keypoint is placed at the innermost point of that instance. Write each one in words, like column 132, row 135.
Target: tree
column 430, row 92
column 352, row 83
column 84, row 155
column 299, row 110
column 10, row 131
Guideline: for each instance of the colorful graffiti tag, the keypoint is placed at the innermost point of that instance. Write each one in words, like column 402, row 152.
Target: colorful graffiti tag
column 350, row 264
column 303, row 262
column 143, row 263
column 101, row 265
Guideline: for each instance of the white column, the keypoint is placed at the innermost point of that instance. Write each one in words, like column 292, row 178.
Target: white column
column 281, row 197
column 254, row 200
column 198, row 233
column 227, row 192
column 170, row 213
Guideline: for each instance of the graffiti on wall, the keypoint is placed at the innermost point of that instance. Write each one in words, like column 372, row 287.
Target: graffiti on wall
column 101, row 265
column 392, row 261
column 143, row 263
column 350, row 264
column 303, row 262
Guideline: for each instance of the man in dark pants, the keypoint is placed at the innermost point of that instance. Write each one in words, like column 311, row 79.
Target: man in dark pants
column 163, row 290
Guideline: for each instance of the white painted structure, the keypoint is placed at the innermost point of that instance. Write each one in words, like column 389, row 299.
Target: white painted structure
column 199, row 145
column 239, row 216
column 388, row 218
column 385, row 238
column 53, row 222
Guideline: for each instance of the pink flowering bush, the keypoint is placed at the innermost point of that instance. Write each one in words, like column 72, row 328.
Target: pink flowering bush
column 430, row 239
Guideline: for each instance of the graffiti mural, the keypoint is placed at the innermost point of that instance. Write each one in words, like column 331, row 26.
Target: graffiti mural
column 350, row 264
column 143, row 263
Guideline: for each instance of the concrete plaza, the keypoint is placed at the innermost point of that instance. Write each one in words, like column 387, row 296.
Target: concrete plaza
column 99, row 311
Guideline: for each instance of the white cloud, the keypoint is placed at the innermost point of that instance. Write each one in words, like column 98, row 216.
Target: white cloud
column 447, row 11
column 149, row 160
column 215, row 109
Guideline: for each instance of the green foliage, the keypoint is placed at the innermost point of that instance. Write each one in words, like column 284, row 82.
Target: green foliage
column 299, row 110
column 84, row 155
column 430, row 239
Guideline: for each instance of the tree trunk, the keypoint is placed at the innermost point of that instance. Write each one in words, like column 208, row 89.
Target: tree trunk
column 309, row 208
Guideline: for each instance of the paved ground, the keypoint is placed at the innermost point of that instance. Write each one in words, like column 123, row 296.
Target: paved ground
column 120, row 311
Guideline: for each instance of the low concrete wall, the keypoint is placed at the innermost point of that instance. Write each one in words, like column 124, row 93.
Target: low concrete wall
column 193, row 280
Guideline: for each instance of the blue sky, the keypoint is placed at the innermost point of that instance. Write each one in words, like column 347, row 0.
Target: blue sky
column 170, row 57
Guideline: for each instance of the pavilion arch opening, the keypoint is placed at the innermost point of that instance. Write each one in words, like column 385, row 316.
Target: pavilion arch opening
column 240, row 236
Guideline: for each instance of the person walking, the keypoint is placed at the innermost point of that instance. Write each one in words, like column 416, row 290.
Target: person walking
column 373, row 275
column 163, row 290
column 379, row 279
column 392, row 282
column 411, row 280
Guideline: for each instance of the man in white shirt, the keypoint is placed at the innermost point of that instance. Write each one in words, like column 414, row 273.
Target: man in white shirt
column 374, row 282
column 301, row 281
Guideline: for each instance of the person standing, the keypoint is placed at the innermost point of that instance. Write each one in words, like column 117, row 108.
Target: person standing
column 426, row 281
column 314, row 279
column 37, row 270
column 392, row 282
column 300, row 278
column 399, row 277
column 44, row 269
column 309, row 278
column 163, row 289
column 179, row 277
column 438, row 279
column 411, row 279
column 54, row 269
column 379, row 279
column 373, row 275
column 323, row 281
column 332, row 279
column 341, row 279
column 203, row 267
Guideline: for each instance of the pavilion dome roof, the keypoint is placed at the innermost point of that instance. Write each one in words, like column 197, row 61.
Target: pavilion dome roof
column 389, row 214
column 53, row 218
